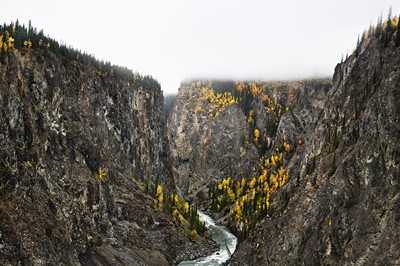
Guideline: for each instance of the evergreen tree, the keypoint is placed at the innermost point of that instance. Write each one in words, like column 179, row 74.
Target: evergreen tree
column 397, row 40
column 389, row 22
column 388, row 31
column 378, row 30
column 358, row 47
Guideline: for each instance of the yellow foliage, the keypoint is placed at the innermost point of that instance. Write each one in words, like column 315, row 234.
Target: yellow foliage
column 198, row 108
column 299, row 141
column 100, row 174
column 28, row 43
column 177, row 215
column 240, row 86
column 267, row 164
column 265, row 98
column 243, row 182
column 159, row 190
column 282, row 176
column 263, row 176
column 252, row 183
column 230, row 193
column 193, row 235
column 256, row 134
column 176, row 198
column 160, row 198
column 286, row 146
column 250, row 118
column 273, row 160
column 254, row 89
column 219, row 100
column 10, row 42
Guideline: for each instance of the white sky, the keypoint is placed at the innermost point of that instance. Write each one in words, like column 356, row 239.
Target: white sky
column 173, row 40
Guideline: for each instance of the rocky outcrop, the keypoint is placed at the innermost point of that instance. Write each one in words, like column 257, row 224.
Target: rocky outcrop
column 209, row 143
column 206, row 146
column 63, row 125
column 304, row 101
column 341, row 204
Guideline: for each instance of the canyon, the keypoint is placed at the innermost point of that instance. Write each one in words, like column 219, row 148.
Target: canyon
column 94, row 170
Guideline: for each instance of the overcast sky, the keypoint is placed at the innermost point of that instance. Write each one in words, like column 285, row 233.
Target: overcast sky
column 173, row 40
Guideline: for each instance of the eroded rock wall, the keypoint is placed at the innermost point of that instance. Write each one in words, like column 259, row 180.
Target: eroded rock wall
column 61, row 122
column 209, row 143
column 341, row 204
column 206, row 147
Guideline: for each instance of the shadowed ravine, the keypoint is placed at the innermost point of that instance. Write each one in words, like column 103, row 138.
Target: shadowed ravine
column 225, row 239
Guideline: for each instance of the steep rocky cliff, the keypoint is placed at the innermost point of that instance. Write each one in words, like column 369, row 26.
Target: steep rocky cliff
column 206, row 143
column 76, row 146
column 317, row 161
column 211, row 138
column 341, row 203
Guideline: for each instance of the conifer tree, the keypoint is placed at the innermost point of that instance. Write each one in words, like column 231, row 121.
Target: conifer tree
column 358, row 47
column 389, row 23
column 397, row 40
column 378, row 30
column 388, row 32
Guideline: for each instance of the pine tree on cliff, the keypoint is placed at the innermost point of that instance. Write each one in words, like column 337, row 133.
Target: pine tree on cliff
column 397, row 40
column 18, row 38
column 388, row 32
column 358, row 47
column 378, row 30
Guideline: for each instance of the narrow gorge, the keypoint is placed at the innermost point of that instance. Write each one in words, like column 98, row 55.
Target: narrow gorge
column 78, row 144
column 95, row 170
column 303, row 172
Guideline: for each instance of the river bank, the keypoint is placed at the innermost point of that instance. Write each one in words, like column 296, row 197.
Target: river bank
column 223, row 237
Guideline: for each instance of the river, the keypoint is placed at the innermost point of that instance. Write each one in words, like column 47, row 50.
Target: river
column 225, row 239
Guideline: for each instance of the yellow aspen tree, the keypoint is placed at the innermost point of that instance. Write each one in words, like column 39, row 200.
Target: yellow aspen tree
column 256, row 134
column 159, row 195
column 193, row 235
column 159, row 190
column 252, row 183
column 176, row 199
column 250, row 120
column 254, row 89
column 102, row 173
column 286, row 146
column 10, row 42
column 240, row 86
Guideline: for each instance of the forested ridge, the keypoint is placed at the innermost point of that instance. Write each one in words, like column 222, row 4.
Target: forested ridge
column 17, row 36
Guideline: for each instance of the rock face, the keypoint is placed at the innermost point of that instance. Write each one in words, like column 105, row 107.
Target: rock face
column 341, row 204
column 209, row 144
column 204, row 146
column 61, row 122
